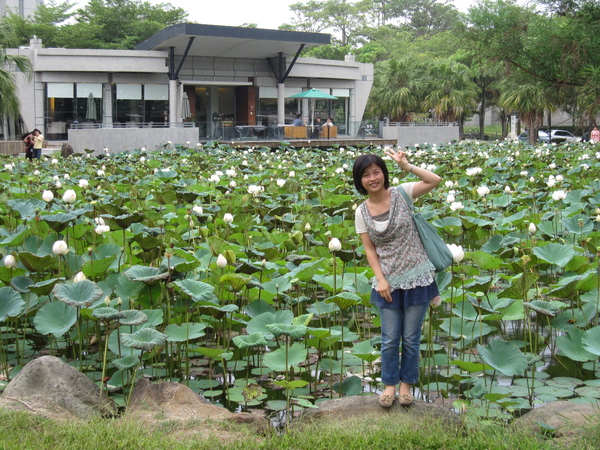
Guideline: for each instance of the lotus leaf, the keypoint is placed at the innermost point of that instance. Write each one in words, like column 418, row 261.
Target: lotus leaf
column 197, row 290
column 35, row 263
column 184, row 332
column 259, row 323
column 21, row 284
column 58, row 222
column 107, row 313
column 365, row 351
column 145, row 274
column 550, row 309
column 98, row 266
column 504, row 357
column 11, row 303
column 44, row 287
column 294, row 331
column 145, row 339
column 235, row 280
column 55, row 318
column 277, row 361
column 80, row 294
column 214, row 353
column 571, row 345
column 344, row 300
column 555, row 253
column 250, row 340
column 126, row 363
column 132, row 317
column 591, row 340
column 27, row 208
column 302, row 320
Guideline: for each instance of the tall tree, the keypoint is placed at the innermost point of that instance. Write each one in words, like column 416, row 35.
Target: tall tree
column 451, row 94
column 9, row 65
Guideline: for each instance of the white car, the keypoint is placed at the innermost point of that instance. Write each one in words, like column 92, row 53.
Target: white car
column 563, row 136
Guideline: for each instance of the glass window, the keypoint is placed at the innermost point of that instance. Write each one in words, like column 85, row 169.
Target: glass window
column 128, row 105
column 156, row 103
column 88, row 102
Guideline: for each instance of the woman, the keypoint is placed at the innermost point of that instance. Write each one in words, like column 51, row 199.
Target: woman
column 38, row 143
column 28, row 139
column 403, row 285
column 595, row 135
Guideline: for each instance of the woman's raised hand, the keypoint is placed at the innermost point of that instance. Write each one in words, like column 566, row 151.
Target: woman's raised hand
column 398, row 156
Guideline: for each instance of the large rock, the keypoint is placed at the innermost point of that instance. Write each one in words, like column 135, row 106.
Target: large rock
column 48, row 381
column 564, row 418
column 174, row 401
column 368, row 405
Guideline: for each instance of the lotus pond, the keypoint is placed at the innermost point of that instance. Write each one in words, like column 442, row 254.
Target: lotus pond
column 212, row 266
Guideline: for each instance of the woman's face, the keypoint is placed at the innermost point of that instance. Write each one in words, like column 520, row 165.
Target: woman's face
column 373, row 179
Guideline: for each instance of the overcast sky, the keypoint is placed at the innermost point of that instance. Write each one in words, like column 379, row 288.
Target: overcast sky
column 264, row 13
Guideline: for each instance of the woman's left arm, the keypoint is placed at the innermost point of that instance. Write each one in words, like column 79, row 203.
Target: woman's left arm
column 429, row 180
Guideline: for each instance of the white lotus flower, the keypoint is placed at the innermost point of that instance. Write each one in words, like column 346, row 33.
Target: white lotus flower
column 558, row 195
column 228, row 218
column 101, row 229
column 221, row 261
column 335, row 245
column 449, row 183
column 232, row 184
column 507, row 189
column 58, row 185
column 230, row 172
column 280, row 182
column 54, row 161
column 83, row 183
column 36, row 172
column 142, row 159
column 451, row 198
column 10, row 262
column 559, row 178
column 60, row 248
column 395, row 180
column 292, row 174
column 483, row 191
column 457, row 252
column 47, row 196
column 532, row 228
column 69, row 196
column 456, row 206
column 100, row 173
column 67, row 176
column 79, row 277
column 198, row 210
column 551, row 182
column 214, row 178
column 253, row 189
column 99, row 221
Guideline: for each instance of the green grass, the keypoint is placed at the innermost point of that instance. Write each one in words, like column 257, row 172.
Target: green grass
column 25, row 431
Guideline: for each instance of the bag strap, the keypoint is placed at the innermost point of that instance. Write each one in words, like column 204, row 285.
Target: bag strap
column 407, row 199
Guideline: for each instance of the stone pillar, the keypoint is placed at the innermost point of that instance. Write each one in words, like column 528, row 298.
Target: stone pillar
column 108, row 105
column 173, row 101
column 280, row 103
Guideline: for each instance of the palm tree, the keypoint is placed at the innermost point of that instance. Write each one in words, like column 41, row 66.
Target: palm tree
column 530, row 100
column 452, row 95
column 9, row 65
column 396, row 89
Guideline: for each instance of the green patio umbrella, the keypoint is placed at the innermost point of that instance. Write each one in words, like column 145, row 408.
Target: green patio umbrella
column 314, row 94
column 91, row 108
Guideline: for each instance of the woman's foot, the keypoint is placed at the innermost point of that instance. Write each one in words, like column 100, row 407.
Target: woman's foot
column 404, row 395
column 386, row 399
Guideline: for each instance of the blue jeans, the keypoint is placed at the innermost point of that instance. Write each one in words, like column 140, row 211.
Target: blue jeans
column 402, row 324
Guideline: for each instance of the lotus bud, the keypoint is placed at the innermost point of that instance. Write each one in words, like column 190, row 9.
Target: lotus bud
column 119, row 301
column 10, row 262
column 457, row 251
column 598, row 218
column 60, row 248
column 83, row 183
column 435, row 301
column 307, row 227
column 47, row 196
column 198, row 210
column 532, row 228
column 221, row 261
column 58, row 185
column 451, row 198
column 335, row 245
column 228, row 218
column 36, row 172
column 483, row 191
column 280, row 182
column 67, row 176
column 69, row 196
column 101, row 229
column 79, row 277
column 107, row 301
column 263, row 262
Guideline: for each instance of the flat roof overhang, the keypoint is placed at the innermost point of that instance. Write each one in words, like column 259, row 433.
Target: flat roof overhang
column 231, row 42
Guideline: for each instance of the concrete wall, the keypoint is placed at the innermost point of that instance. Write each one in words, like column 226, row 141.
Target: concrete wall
column 125, row 139
column 420, row 134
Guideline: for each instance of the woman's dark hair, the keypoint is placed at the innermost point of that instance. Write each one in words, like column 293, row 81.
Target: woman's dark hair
column 360, row 165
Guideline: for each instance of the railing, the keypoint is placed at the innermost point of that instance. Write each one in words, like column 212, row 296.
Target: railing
column 422, row 124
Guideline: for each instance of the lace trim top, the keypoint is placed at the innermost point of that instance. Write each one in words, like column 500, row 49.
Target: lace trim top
column 403, row 260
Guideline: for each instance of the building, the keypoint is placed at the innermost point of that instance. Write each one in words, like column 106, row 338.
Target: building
column 24, row 8
column 189, row 82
